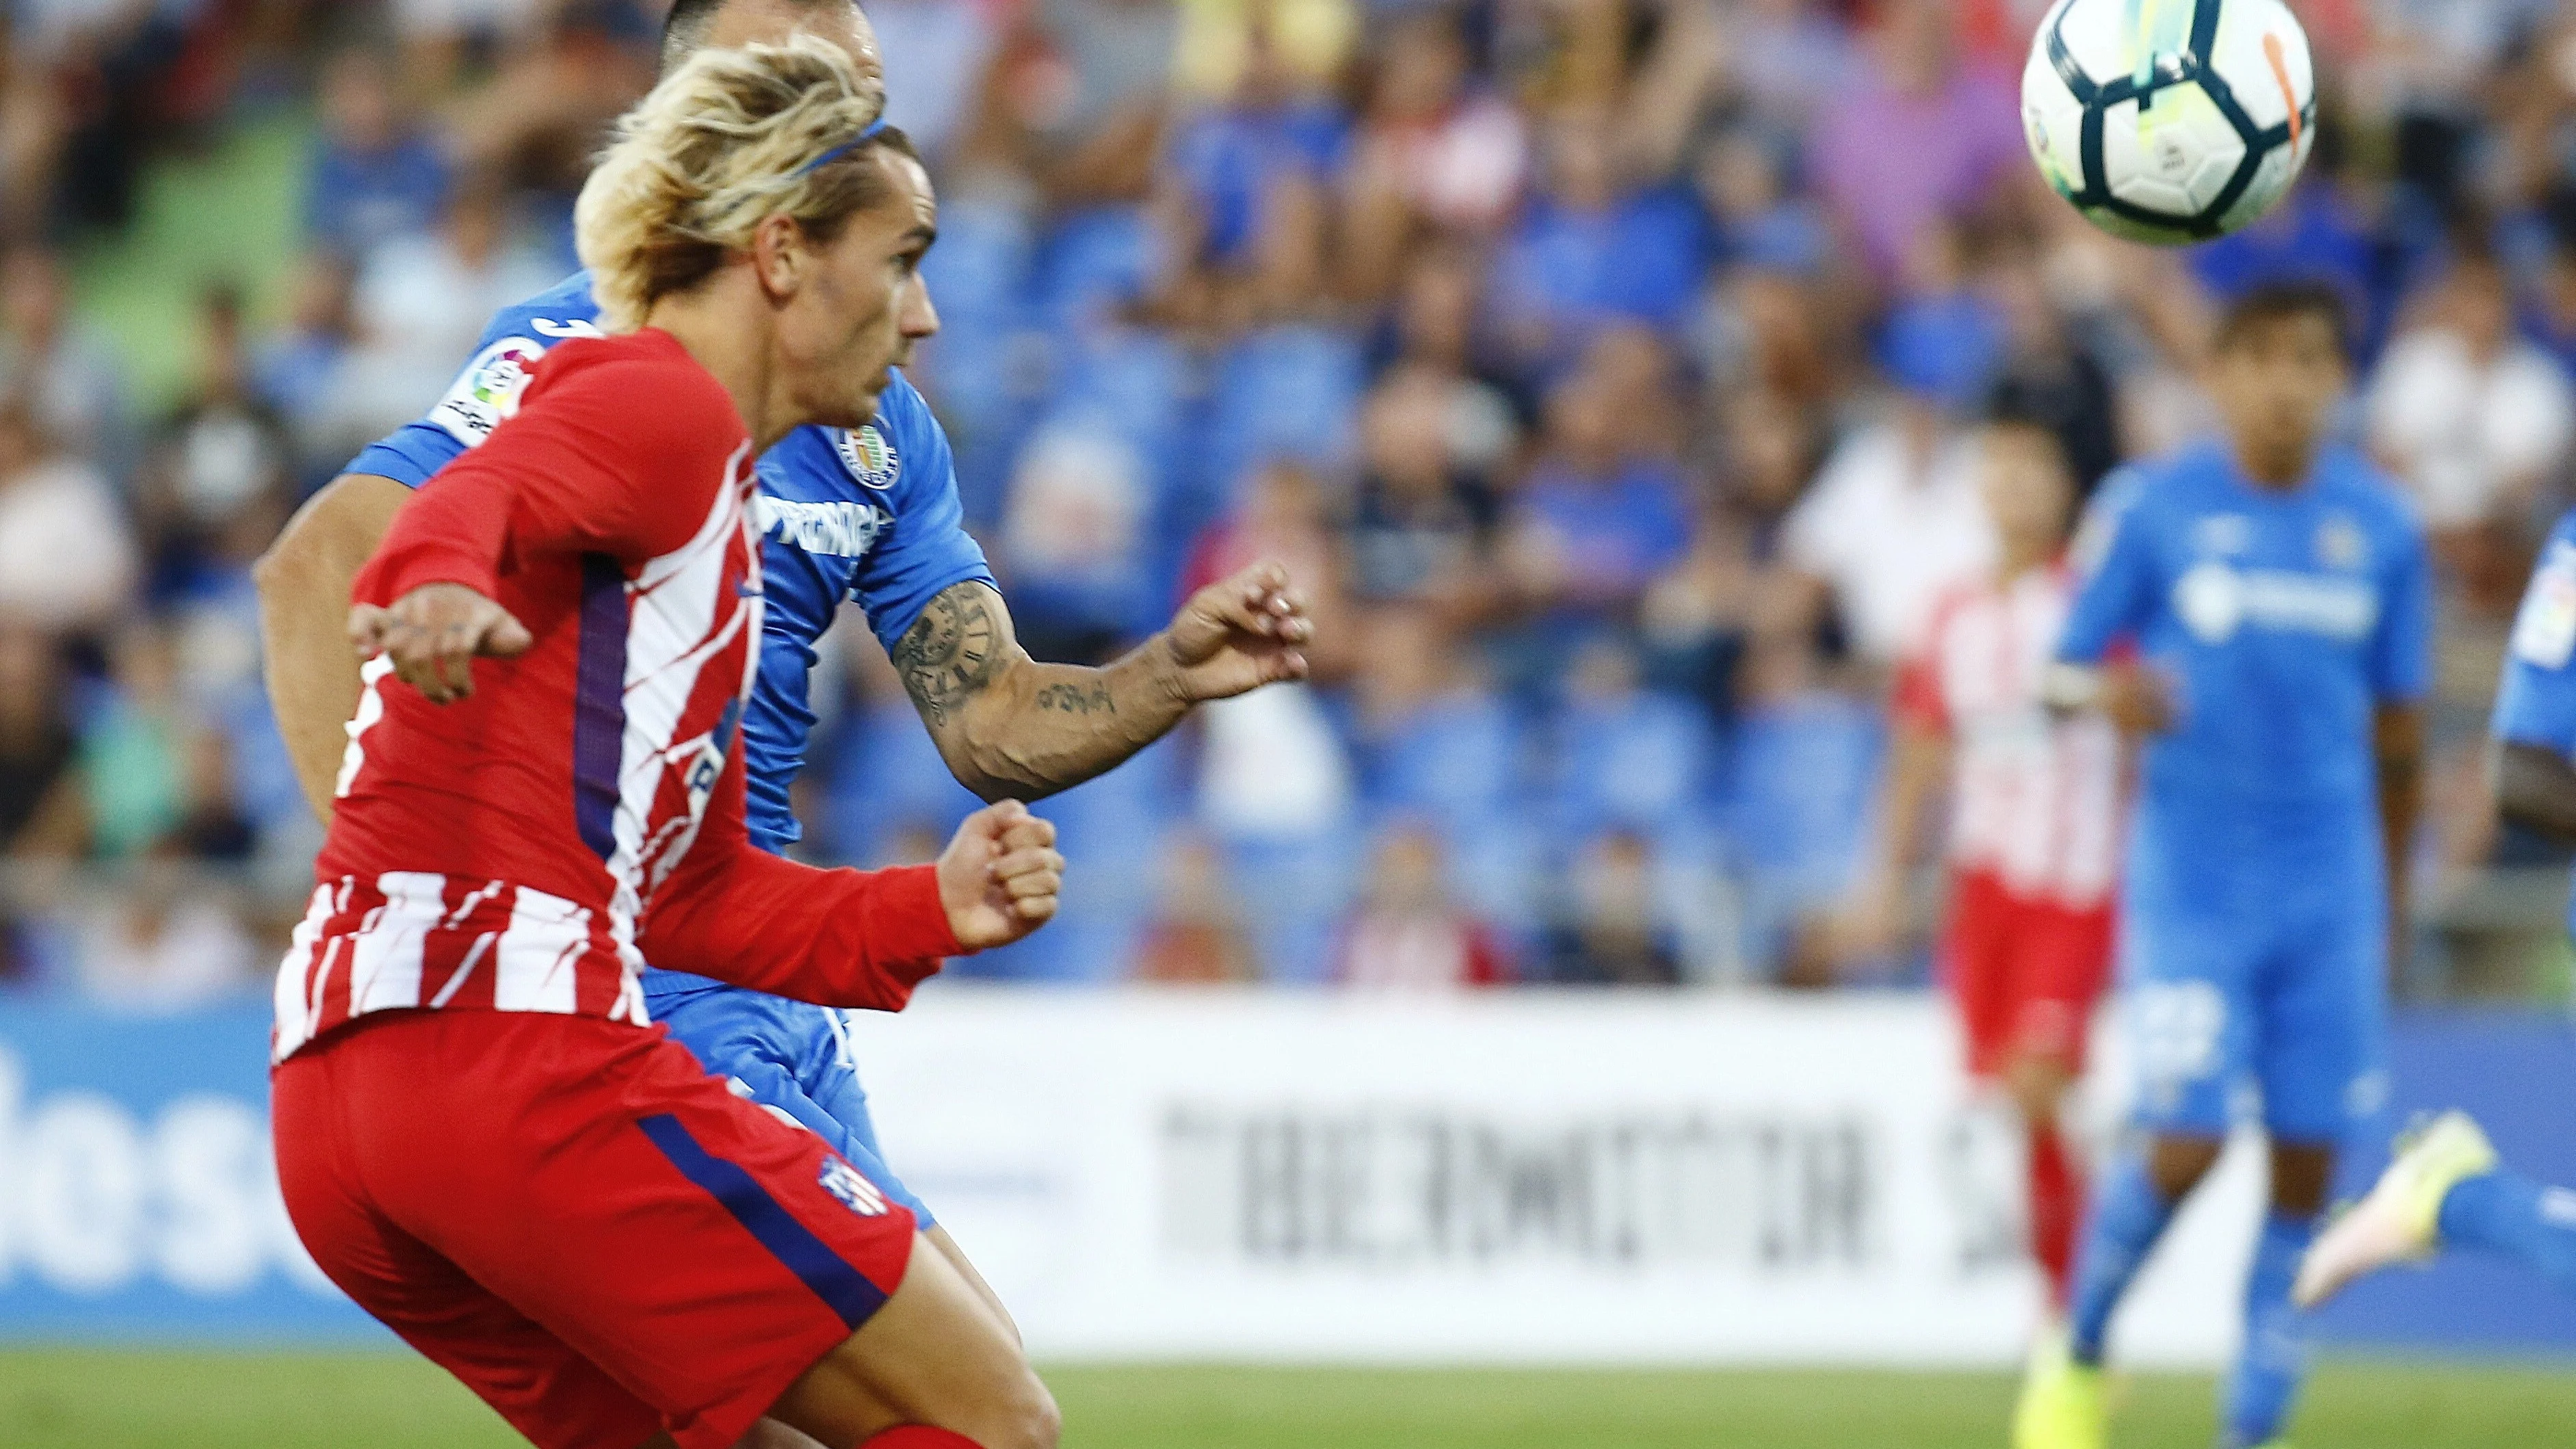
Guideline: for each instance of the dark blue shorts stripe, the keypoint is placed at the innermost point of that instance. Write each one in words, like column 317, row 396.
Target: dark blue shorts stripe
column 599, row 702
column 794, row 1245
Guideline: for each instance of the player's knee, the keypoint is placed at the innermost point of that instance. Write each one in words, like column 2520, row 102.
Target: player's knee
column 2177, row 1164
column 2302, row 1174
column 768, row 1434
column 1022, row 1417
column 2038, row 1087
column 1035, row 1421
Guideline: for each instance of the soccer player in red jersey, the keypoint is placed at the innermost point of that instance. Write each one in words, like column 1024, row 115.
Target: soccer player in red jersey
column 477, row 1137
column 2033, row 805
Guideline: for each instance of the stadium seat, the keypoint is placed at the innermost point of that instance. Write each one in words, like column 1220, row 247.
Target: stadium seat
column 1640, row 760
column 1286, row 391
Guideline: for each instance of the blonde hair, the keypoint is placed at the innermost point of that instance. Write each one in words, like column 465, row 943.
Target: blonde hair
column 722, row 143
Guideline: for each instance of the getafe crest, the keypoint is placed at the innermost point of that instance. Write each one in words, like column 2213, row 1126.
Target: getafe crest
column 869, row 457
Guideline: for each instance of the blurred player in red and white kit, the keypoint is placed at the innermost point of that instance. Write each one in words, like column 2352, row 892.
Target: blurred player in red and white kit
column 478, row 1136
column 2034, row 816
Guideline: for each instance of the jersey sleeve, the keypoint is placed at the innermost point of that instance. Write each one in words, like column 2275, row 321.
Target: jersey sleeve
column 619, row 451
column 928, row 550
column 2401, row 654
column 485, row 392
column 486, row 389
column 2536, row 702
column 410, row 455
column 2116, row 588
column 832, row 937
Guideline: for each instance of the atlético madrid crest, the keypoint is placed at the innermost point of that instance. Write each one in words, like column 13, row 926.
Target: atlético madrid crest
column 869, row 457
column 856, row 1193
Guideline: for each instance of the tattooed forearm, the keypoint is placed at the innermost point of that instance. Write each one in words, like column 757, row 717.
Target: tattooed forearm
column 1008, row 725
column 1075, row 699
column 951, row 652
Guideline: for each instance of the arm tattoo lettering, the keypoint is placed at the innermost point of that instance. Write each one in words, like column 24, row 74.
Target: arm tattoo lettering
column 1074, row 699
column 950, row 653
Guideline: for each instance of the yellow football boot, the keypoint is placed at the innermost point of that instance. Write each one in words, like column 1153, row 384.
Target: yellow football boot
column 2062, row 1405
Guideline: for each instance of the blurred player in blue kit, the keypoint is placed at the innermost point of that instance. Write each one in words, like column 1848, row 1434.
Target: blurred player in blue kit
column 2446, row 1187
column 2277, row 591
column 869, row 515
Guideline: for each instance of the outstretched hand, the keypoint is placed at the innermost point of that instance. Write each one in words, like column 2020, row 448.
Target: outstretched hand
column 1000, row 876
column 433, row 635
column 1241, row 633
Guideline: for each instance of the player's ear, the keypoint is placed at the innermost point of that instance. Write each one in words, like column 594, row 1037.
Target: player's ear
column 780, row 256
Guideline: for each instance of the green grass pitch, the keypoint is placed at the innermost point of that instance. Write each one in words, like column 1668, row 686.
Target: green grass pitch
column 62, row 1399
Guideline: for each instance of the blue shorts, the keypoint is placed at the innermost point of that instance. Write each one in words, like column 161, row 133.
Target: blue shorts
column 791, row 1057
column 2279, row 987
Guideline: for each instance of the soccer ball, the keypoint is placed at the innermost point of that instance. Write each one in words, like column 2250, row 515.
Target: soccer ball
column 2169, row 121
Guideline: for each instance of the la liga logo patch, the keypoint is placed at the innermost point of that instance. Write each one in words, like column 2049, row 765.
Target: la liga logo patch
column 487, row 393
column 2544, row 631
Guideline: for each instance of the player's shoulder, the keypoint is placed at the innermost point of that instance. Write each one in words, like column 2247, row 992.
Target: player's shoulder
column 646, row 383
column 2352, row 481
column 650, row 355
column 2544, row 627
column 562, row 312
column 2124, row 487
column 902, row 411
column 2185, row 481
column 884, row 462
column 2120, row 500
column 2193, row 478
column 488, row 388
column 904, row 451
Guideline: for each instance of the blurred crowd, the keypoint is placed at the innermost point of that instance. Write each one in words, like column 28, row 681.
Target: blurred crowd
column 1610, row 371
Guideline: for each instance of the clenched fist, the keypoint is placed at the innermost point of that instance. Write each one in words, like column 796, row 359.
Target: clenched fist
column 1000, row 876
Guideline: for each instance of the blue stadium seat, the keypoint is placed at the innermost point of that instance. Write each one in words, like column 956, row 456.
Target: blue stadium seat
column 1804, row 777
column 1131, row 381
column 974, row 370
column 1287, row 391
column 1295, row 892
column 1462, row 758
column 979, row 273
column 264, row 783
column 1094, row 260
column 1640, row 760
column 1104, row 827
column 1492, row 862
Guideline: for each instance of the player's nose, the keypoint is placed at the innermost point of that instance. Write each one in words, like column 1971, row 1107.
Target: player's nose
column 920, row 316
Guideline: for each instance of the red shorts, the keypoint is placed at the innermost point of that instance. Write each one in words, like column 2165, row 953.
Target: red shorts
column 571, row 1216
column 2024, row 972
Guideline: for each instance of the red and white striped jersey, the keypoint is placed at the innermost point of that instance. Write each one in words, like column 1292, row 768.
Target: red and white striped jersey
column 2036, row 798
column 524, row 848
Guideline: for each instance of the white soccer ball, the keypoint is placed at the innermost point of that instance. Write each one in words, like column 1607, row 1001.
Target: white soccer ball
column 2169, row 121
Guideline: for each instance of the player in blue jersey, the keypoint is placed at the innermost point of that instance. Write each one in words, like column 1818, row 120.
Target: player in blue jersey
column 2275, row 593
column 870, row 515
column 2446, row 1188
